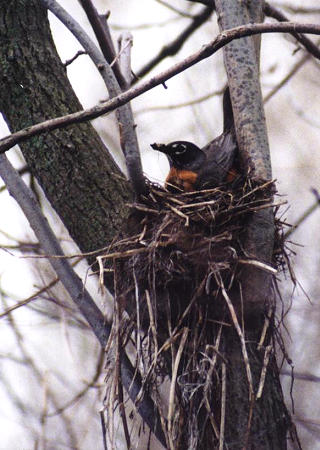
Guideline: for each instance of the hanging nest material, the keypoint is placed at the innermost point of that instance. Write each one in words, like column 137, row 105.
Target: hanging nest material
column 177, row 290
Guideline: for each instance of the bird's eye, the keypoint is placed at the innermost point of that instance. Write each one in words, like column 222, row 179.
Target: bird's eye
column 179, row 149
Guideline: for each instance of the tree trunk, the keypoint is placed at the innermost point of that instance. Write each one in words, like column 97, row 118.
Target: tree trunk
column 72, row 166
column 270, row 420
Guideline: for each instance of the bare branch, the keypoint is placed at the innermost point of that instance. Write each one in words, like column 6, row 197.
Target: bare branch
column 242, row 68
column 305, row 215
column 187, row 103
column 176, row 10
column 71, row 60
column 129, row 141
column 297, row 66
column 205, row 52
column 29, row 299
column 301, row 376
column 74, row 286
column 101, row 30
column 241, row 60
column 124, row 46
column 173, row 47
column 307, row 43
column 204, row 2
column 300, row 9
column 26, row 200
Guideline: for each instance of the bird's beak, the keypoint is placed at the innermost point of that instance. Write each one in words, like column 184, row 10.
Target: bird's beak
column 159, row 147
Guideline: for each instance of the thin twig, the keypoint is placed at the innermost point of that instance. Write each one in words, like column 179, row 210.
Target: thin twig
column 138, row 328
column 74, row 286
column 101, row 30
column 110, row 105
column 301, row 376
column 310, row 46
column 264, row 371
column 240, row 334
column 83, row 391
column 125, row 42
column 153, row 329
column 209, row 381
column 32, row 297
column 173, row 47
column 184, row 104
column 265, row 328
column 259, row 264
column 297, row 66
column 173, row 387
column 179, row 213
column 71, row 60
column 223, row 405
column 129, row 141
column 300, row 9
column 302, row 218
column 103, row 429
column 176, row 10
column 118, row 377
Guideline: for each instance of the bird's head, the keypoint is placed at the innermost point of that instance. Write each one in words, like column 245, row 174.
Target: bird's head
column 182, row 154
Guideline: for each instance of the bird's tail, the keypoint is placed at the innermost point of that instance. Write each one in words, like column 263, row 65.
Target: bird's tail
column 228, row 120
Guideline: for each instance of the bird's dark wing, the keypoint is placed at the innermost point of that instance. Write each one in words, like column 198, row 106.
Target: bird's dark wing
column 220, row 154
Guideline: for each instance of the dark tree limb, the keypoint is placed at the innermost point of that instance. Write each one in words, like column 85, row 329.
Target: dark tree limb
column 74, row 286
column 205, row 52
column 245, row 94
column 295, row 68
column 129, row 141
column 173, row 47
column 102, row 32
column 174, row 9
column 310, row 46
column 125, row 41
column 275, row 13
column 242, row 67
column 204, row 2
column 128, row 137
column 265, row 410
column 72, row 166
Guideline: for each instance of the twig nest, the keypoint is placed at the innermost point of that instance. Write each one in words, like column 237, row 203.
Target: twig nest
column 177, row 276
column 179, row 244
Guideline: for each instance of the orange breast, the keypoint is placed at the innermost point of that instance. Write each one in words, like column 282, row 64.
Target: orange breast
column 231, row 175
column 182, row 179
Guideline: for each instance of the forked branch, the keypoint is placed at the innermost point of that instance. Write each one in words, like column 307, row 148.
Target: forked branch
column 110, row 105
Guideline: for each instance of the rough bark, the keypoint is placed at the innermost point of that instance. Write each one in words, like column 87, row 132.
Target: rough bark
column 242, row 65
column 268, row 427
column 270, row 420
column 72, row 166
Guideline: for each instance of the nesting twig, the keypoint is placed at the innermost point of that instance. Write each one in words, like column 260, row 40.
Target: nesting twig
column 173, row 387
column 241, row 336
column 223, row 406
column 264, row 370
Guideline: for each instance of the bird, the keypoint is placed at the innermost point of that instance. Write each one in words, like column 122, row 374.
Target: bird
column 192, row 168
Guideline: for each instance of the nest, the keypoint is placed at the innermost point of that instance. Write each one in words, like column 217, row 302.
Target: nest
column 176, row 275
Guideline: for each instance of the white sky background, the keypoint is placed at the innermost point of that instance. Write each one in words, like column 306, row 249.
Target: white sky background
column 293, row 118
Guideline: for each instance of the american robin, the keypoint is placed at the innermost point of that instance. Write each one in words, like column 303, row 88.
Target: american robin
column 192, row 168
